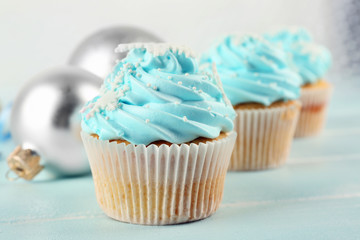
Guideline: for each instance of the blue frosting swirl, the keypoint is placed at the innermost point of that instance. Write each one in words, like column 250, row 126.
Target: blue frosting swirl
column 310, row 60
column 289, row 36
column 253, row 70
column 150, row 97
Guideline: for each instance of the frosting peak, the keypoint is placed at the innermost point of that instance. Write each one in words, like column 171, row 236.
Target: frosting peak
column 157, row 49
column 289, row 35
column 158, row 93
column 253, row 70
column 310, row 60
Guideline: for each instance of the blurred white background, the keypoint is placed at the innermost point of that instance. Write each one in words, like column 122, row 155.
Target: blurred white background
column 39, row 34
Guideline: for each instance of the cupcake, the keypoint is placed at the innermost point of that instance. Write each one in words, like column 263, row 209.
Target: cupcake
column 311, row 61
column 263, row 90
column 158, row 137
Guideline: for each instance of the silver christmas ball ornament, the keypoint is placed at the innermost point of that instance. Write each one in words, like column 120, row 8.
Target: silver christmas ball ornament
column 45, row 122
column 96, row 53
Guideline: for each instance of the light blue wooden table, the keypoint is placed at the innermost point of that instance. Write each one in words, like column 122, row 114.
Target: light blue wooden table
column 315, row 196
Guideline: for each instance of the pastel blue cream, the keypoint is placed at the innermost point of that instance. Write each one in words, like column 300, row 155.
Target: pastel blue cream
column 253, row 70
column 310, row 60
column 150, row 97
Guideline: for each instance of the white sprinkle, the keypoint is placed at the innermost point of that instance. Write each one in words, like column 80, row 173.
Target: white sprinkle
column 147, row 106
column 177, row 102
column 129, row 71
column 169, row 77
column 185, row 119
column 256, row 74
column 194, row 88
column 156, row 49
column 119, row 104
column 180, row 83
column 148, row 85
column 138, row 75
column 147, row 120
column 159, row 69
column 204, row 77
column 140, row 59
column 120, row 93
column 155, row 88
column 200, row 91
column 137, row 64
column 106, row 118
column 209, row 108
column 273, row 84
column 117, row 61
column 186, row 74
column 226, row 115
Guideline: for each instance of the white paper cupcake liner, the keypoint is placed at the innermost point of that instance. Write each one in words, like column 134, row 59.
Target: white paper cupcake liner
column 264, row 137
column 313, row 112
column 159, row 185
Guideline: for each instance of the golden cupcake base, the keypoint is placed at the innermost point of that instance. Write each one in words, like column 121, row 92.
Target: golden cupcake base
column 314, row 99
column 159, row 184
column 265, row 135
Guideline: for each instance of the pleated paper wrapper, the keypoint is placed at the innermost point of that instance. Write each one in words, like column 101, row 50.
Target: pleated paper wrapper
column 264, row 137
column 159, row 185
column 313, row 112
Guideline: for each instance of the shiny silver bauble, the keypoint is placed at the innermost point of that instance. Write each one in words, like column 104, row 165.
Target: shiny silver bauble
column 45, row 117
column 96, row 53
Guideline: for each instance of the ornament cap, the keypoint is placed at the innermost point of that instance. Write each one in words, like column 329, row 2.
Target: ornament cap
column 24, row 163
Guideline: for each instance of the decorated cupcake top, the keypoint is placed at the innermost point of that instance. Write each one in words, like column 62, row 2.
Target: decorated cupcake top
column 253, row 70
column 310, row 60
column 289, row 36
column 158, row 93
